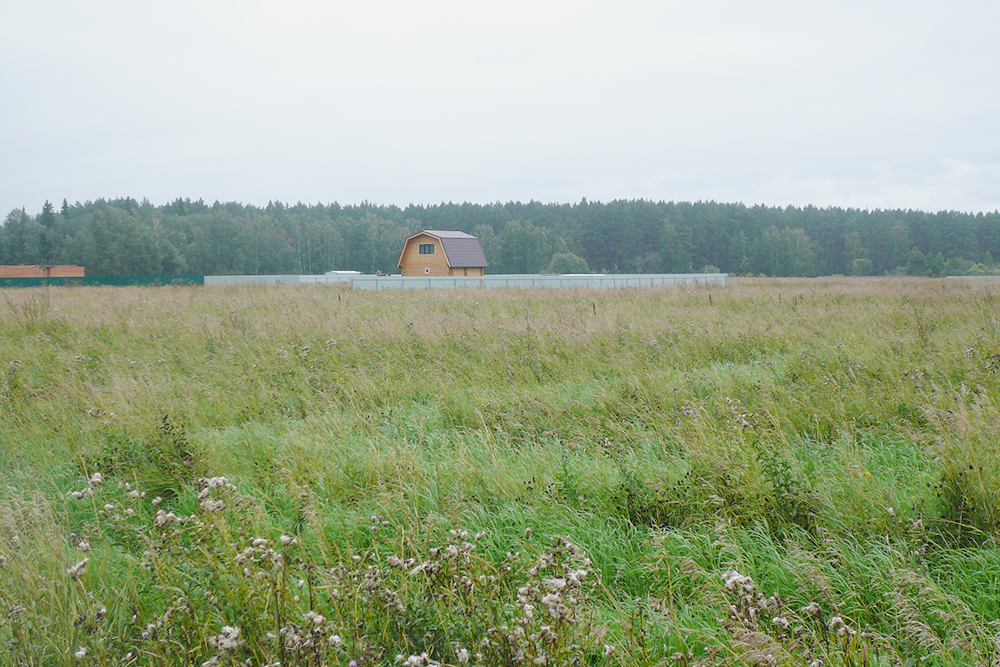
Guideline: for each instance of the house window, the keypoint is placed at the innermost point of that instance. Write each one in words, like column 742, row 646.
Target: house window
column 426, row 248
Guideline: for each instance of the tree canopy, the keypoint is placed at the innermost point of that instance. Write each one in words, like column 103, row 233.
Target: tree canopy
column 127, row 237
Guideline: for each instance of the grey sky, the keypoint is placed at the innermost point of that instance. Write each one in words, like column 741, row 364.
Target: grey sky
column 865, row 104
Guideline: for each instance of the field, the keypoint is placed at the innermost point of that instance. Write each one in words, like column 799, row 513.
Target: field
column 778, row 472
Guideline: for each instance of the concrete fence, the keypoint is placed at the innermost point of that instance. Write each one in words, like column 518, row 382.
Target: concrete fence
column 591, row 281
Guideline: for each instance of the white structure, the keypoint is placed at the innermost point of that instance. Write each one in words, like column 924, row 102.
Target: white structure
column 586, row 281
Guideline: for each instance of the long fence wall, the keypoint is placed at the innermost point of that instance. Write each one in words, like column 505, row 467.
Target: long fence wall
column 591, row 281
column 92, row 281
column 530, row 280
column 394, row 282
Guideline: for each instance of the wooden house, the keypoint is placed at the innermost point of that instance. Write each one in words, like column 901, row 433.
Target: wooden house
column 42, row 271
column 442, row 253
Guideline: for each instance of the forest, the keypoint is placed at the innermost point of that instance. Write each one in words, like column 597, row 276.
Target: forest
column 128, row 237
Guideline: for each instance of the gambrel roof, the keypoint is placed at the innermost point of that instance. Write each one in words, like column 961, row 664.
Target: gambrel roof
column 462, row 250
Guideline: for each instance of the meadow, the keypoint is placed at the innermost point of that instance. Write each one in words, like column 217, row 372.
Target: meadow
column 778, row 472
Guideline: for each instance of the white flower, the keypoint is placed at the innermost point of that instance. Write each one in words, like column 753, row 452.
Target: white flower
column 163, row 518
column 80, row 653
column 314, row 617
column 227, row 640
column 555, row 584
column 96, row 479
column 211, row 506
column 74, row 572
column 837, row 625
column 83, row 546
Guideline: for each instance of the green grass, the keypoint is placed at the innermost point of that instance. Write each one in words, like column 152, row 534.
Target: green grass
column 834, row 442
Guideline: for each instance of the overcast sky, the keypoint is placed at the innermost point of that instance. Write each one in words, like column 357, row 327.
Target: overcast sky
column 864, row 104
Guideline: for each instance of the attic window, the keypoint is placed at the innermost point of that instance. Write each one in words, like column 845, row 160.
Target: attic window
column 426, row 248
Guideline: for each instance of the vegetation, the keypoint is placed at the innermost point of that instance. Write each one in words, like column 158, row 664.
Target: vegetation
column 780, row 472
column 125, row 237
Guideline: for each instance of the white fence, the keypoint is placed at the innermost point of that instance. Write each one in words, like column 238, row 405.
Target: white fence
column 592, row 281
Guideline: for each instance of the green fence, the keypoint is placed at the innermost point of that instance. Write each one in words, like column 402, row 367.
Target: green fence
column 115, row 281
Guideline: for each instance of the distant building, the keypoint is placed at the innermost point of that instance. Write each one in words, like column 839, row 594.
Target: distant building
column 41, row 271
column 442, row 253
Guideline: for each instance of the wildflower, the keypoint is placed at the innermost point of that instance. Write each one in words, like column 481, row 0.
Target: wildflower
column 734, row 580
column 334, row 640
column 555, row 584
column 837, row 625
column 215, row 482
column 77, row 494
column 780, row 621
column 74, row 572
column 287, row 540
column 162, row 518
column 96, row 479
column 213, row 506
column 227, row 640
column 83, row 546
column 3, row 560
column 463, row 656
column 80, row 653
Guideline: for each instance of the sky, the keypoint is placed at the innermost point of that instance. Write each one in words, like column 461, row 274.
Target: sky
column 866, row 104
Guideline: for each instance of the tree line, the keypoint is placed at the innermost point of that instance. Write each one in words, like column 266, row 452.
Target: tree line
column 128, row 237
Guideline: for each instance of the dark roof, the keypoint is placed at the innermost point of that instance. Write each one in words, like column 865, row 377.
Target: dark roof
column 463, row 250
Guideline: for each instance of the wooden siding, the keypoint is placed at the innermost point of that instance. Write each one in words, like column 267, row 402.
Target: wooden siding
column 42, row 271
column 412, row 263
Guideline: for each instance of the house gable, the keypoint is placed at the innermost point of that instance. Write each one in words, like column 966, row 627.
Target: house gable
column 442, row 253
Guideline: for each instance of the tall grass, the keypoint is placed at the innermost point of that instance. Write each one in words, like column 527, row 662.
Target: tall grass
column 776, row 472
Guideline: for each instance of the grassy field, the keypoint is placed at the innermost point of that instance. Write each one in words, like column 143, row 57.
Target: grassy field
column 799, row 472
